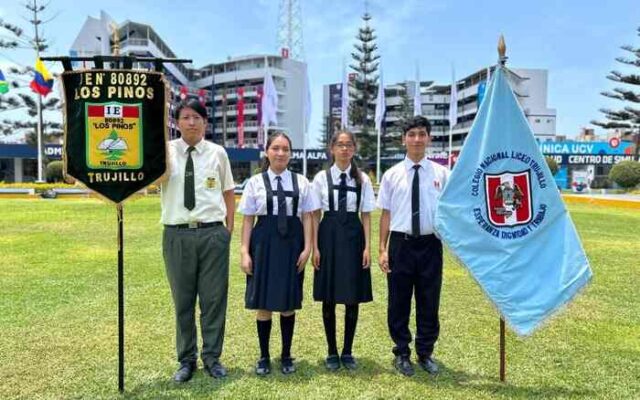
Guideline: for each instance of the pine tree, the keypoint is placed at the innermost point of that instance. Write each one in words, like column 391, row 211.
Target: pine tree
column 364, row 88
column 21, row 99
column 628, row 118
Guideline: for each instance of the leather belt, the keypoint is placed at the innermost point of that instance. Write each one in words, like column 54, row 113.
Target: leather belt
column 407, row 236
column 194, row 225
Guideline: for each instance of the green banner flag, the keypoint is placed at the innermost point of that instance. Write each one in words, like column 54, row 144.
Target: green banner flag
column 115, row 130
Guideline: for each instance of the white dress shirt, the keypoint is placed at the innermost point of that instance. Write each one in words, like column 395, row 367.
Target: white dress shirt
column 321, row 195
column 254, row 195
column 395, row 193
column 212, row 176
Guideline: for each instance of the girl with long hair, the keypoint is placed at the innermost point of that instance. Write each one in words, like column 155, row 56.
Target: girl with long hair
column 275, row 250
column 341, row 255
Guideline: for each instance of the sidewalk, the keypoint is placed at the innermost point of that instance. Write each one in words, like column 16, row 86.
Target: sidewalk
column 614, row 200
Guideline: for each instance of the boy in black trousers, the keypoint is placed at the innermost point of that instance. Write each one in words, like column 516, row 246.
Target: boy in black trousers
column 410, row 254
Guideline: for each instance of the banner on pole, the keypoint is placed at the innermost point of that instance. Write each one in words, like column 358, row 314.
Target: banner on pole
column 115, row 130
column 502, row 216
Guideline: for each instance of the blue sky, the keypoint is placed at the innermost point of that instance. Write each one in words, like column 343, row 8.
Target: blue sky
column 577, row 41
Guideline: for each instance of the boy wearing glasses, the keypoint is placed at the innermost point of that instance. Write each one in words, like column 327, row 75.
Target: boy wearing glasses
column 197, row 201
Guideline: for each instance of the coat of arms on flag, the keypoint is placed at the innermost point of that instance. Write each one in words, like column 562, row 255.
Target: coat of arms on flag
column 114, row 135
column 508, row 198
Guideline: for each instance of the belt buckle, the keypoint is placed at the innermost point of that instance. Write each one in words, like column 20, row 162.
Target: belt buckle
column 193, row 225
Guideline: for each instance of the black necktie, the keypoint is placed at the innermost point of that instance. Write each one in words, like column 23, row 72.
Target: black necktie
column 282, row 208
column 189, row 182
column 342, row 198
column 415, row 202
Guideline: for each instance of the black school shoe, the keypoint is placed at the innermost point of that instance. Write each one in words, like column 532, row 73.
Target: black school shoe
column 184, row 372
column 332, row 362
column 263, row 366
column 403, row 365
column 216, row 370
column 429, row 364
column 348, row 361
column 287, row 366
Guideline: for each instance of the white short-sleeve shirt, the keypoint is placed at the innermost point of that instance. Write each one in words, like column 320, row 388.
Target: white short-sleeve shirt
column 212, row 177
column 395, row 193
column 254, row 196
column 321, row 194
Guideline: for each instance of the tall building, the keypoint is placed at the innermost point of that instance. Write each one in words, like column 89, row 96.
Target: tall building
column 243, row 77
column 237, row 82
column 529, row 85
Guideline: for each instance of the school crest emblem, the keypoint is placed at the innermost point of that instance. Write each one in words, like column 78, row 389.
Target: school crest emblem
column 508, row 198
column 114, row 136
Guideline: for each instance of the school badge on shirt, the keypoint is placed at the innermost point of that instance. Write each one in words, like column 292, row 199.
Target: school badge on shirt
column 211, row 182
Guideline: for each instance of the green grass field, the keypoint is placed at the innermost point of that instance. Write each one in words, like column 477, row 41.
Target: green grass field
column 58, row 321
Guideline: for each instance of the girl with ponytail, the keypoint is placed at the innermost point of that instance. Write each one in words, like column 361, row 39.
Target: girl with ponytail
column 341, row 256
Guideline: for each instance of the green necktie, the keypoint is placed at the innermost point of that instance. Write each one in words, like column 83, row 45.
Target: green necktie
column 189, row 182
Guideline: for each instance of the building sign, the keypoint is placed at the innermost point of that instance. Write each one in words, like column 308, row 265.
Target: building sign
column 588, row 153
column 115, row 130
column 53, row 151
column 335, row 99
column 312, row 154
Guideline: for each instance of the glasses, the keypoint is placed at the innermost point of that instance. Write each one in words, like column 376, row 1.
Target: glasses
column 347, row 146
column 194, row 118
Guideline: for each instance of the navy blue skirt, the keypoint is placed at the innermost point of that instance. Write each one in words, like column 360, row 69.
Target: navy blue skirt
column 341, row 278
column 275, row 284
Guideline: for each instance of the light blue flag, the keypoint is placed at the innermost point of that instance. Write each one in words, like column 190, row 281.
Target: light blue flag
column 502, row 216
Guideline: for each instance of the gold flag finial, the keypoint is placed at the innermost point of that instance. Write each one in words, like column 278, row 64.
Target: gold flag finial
column 502, row 50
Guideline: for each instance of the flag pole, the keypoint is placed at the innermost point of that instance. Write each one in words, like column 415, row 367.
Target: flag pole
column 502, row 59
column 39, row 102
column 453, row 114
column 378, row 154
column 379, row 119
column 120, row 298
column 503, row 355
column 305, row 118
column 39, row 137
column 120, row 216
column 450, row 146
column 304, row 144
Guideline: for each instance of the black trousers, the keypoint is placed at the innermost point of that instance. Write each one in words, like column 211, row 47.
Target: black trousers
column 416, row 267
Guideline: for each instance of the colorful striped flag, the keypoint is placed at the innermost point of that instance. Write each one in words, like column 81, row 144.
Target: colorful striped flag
column 42, row 81
column 4, row 86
